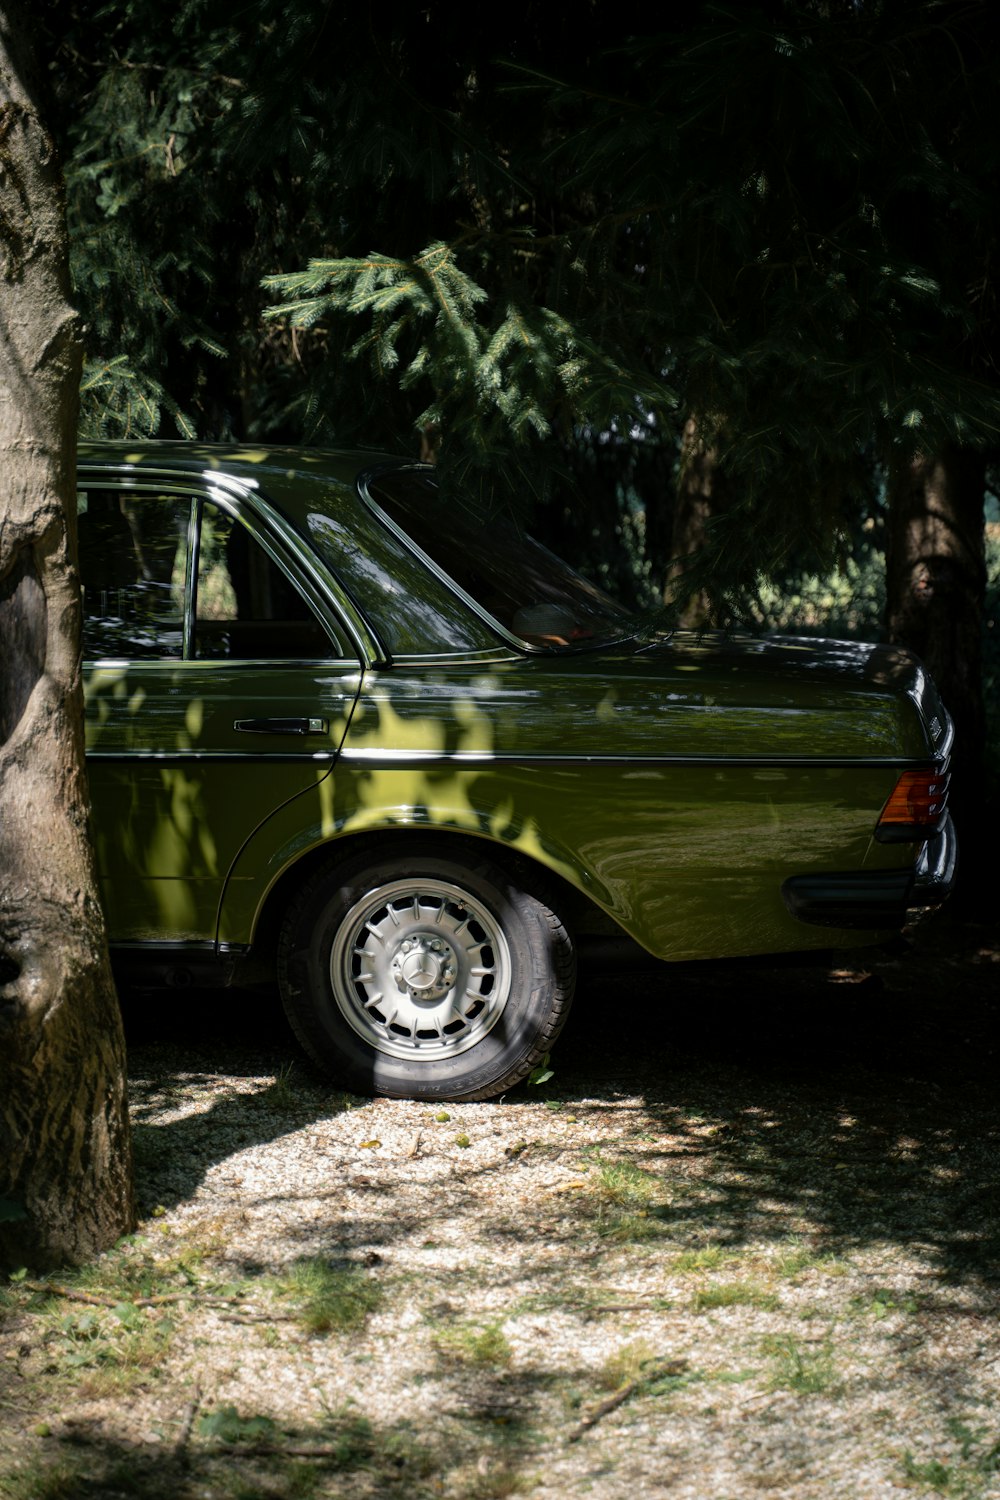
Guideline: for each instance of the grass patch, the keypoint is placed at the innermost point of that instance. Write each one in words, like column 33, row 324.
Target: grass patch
column 484, row 1348
column 628, row 1363
column 492, row 1478
column 969, row 1474
column 623, row 1185
column 795, row 1260
column 625, row 1196
column 244, row 1456
column 328, row 1298
column 806, row 1371
column 734, row 1294
column 286, row 1093
column 637, row 1369
column 710, row 1258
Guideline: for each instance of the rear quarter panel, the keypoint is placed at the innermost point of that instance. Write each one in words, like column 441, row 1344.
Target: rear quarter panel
column 676, row 797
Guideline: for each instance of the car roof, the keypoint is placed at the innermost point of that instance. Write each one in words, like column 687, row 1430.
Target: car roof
column 243, row 460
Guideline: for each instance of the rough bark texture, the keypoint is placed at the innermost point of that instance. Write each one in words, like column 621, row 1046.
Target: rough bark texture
column 935, row 587
column 65, row 1178
column 700, row 495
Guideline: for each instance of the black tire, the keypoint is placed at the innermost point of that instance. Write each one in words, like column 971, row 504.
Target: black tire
column 419, row 976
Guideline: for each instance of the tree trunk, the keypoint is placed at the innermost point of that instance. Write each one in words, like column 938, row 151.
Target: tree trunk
column 65, row 1178
column 935, row 588
column 700, row 495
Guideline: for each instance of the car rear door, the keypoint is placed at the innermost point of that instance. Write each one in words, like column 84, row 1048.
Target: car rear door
column 218, row 686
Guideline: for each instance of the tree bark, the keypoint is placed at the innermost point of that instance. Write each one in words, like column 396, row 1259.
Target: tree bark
column 65, row 1170
column 699, row 496
column 935, row 590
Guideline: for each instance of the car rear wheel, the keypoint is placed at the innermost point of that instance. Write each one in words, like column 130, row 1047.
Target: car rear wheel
column 418, row 976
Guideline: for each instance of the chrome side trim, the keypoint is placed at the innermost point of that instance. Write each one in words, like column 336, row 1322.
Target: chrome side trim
column 173, row 947
column 139, row 664
column 324, row 757
column 396, row 759
column 392, row 758
column 498, row 657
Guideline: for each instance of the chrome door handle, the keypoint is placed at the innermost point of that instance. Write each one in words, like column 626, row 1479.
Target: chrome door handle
column 281, row 726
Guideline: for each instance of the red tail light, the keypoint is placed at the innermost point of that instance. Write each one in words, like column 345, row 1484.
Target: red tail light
column 917, row 806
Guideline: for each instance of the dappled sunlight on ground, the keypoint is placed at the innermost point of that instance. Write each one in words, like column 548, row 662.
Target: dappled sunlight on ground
column 746, row 1238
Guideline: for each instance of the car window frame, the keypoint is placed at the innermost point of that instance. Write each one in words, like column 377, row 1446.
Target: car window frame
column 259, row 520
column 367, row 476
column 509, row 638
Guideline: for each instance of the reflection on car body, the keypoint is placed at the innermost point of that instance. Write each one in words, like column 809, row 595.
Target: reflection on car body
column 345, row 731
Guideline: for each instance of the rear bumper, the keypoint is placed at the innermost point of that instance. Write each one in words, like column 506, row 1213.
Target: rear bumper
column 936, row 868
column 876, row 899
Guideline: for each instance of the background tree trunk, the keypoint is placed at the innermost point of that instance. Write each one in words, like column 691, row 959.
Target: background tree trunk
column 935, row 587
column 65, row 1178
column 700, row 495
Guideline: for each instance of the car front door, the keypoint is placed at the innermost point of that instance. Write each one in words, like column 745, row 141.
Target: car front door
column 218, row 687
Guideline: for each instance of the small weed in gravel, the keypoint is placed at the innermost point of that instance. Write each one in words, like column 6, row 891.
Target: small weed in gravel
column 109, row 1350
column 879, row 1303
column 482, row 1347
column 970, row 1474
column 807, row 1372
column 90, row 1333
column 227, row 1426
column 625, row 1195
column 329, row 1298
column 734, row 1294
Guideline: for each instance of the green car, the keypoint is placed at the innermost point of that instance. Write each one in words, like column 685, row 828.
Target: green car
column 344, row 732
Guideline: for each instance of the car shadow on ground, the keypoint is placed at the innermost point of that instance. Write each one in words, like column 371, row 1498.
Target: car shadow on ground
column 857, row 1098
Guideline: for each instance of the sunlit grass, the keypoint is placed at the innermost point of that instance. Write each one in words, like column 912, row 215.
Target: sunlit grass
column 483, row 1347
column 735, row 1294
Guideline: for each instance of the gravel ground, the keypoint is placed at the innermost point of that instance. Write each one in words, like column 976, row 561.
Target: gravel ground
column 755, row 1253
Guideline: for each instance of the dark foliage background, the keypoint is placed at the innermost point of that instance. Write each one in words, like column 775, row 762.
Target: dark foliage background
column 696, row 299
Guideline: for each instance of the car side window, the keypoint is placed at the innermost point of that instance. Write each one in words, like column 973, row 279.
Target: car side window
column 133, row 565
column 246, row 608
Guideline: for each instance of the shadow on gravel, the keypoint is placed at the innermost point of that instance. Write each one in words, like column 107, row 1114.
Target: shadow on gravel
column 850, row 1105
column 239, row 1455
column 858, row 1100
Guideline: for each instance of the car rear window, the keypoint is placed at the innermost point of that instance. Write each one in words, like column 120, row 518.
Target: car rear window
column 527, row 589
column 412, row 610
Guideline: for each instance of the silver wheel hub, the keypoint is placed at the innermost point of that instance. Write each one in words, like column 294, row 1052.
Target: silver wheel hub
column 420, row 968
column 427, row 967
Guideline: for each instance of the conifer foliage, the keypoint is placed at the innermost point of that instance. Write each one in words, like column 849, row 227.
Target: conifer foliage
column 770, row 218
column 543, row 242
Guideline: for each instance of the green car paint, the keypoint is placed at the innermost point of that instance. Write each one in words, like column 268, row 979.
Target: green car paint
column 673, row 783
column 175, row 791
column 645, row 795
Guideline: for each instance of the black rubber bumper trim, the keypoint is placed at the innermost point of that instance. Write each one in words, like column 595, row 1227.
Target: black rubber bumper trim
column 875, row 899
column 936, row 868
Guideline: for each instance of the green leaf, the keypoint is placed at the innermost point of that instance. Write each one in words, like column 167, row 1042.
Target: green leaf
column 540, row 1074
